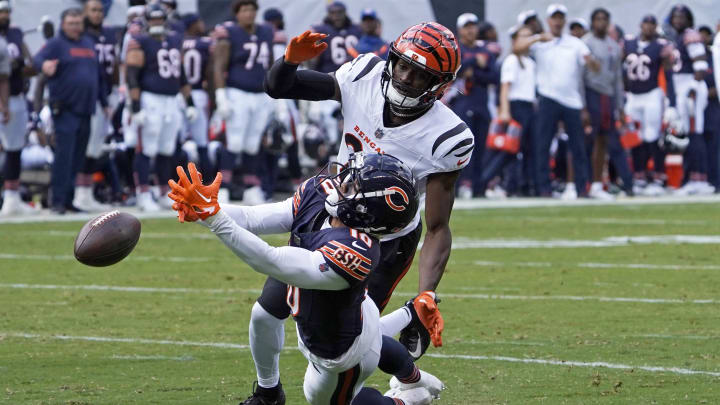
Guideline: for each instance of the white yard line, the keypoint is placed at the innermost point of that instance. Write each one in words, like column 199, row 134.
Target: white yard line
column 652, row 369
column 612, row 241
column 46, row 216
column 398, row 293
column 152, row 357
column 605, row 221
column 594, row 265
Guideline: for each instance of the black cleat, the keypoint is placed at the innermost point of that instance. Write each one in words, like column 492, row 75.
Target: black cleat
column 415, row 337
column 265, row 396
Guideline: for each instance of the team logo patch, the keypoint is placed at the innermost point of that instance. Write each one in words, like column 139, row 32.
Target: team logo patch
column 390, row 191
column 379, row 133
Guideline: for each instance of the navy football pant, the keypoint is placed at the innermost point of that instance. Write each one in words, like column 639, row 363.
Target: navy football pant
column 72, row 132
column 549, row 113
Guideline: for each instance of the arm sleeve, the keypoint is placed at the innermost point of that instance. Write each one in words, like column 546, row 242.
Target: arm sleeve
column 583, row 51
column 43, row 54
column 283, row 80
column 4, row 58
column 509, row 70
column 262, row 219
column 292, row 265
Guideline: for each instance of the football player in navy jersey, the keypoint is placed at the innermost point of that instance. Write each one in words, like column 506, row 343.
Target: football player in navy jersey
column 645, row 61
column 12, row 132
column 105, row 40
column 242, row 55
column 691, row 93
column 196, row 58
column 155, row 77
column 334, row 222
column 342, row 34
column 479, row 70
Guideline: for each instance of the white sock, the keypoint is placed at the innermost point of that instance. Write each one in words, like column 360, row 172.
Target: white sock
column 267, row 336
column 392, row 323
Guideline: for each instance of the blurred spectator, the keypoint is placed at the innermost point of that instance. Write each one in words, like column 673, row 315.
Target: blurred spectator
column 155, row 79
column 691, row 94
column 647, row 58
column 15, row 115
column 342, row 34
column 479, row 69
column 239, row 96
column 530, row 18
column 712, row 117
column 517, row 98
column 197, row 68
column 105, row 40
column 370, row 41
column 604, row 97
column 707, row 36
column 578, row 27
column 69, row 62
column 281, row 133
column 560, row 61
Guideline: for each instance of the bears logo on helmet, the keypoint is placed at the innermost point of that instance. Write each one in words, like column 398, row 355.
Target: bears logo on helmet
column 390, row 191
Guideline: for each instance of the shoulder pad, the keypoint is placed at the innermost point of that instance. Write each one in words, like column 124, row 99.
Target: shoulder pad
column 452, row 149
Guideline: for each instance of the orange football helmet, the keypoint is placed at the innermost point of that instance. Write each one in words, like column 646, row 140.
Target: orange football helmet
column 428, row 47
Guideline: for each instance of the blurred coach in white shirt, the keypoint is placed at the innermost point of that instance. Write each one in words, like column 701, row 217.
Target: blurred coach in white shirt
column 560, row 59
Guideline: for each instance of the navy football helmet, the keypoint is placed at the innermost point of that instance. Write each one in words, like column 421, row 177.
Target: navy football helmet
column 152, row 12
column 374, row 193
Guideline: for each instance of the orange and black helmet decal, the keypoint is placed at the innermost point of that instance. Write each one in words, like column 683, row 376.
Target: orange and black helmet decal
column 431, row 45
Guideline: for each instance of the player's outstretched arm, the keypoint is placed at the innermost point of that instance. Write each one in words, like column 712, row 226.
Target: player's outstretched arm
column 262, row 219
column 289, row 264
column 283, row 80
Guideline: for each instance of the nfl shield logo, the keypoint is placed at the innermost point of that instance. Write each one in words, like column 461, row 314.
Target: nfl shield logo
column 379, row 133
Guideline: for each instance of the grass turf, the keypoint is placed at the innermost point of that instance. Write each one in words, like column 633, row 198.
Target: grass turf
column 502, row 303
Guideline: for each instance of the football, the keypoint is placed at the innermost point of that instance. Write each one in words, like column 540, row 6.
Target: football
column 107, row 239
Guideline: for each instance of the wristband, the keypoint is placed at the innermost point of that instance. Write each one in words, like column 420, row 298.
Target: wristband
column 135, row 106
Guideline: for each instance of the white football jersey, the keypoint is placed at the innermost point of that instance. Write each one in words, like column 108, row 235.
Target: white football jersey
column 436, row 142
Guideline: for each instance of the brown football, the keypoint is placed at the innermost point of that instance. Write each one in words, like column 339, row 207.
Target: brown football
column 107, row 239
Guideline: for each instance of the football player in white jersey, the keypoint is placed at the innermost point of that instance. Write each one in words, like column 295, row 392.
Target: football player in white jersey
column 388, row 107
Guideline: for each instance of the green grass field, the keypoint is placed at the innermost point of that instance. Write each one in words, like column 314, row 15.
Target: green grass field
column 525, row 289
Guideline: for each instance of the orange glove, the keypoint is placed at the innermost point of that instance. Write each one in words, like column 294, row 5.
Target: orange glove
column 305, row 47
column 430, row 316
column 185, row 213
column 202, row 199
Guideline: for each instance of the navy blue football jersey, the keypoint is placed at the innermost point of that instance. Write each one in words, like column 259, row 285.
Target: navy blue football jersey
column 642, row 64
column 329, row 321
column 106, row 42
column 14, row 39
column 338, row 43
column 163, row 63
column 196, row 53
column 250, row 55
column 682, row 60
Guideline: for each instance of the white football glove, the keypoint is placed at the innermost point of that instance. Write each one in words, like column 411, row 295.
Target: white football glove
column 191, row 113
column 222, row 104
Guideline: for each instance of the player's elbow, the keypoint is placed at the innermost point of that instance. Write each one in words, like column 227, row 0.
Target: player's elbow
column 271, row 90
